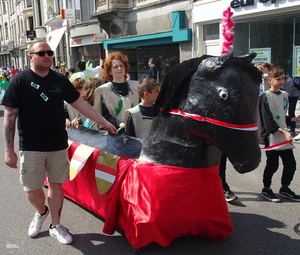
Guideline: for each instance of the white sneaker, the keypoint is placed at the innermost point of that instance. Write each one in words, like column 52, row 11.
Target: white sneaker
column 36, row 224
column 297, row 137
column 61, row 234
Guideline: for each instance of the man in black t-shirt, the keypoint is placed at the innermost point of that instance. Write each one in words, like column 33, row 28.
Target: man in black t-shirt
column 36, row 98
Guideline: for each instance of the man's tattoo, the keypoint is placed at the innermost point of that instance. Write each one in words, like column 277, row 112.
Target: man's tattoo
column 9, row 125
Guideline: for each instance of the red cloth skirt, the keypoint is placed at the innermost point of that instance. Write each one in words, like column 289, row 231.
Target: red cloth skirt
column 149, row 202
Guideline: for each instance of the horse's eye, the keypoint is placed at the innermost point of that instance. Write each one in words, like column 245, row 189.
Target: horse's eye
column 223, row 93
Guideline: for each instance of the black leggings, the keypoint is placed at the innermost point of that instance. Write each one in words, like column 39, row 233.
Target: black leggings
column 289, row 166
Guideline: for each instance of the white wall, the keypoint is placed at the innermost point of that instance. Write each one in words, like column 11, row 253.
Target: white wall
column 212, row 10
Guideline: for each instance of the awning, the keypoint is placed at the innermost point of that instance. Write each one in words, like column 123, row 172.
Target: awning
column 178, row 34
column 54, row 37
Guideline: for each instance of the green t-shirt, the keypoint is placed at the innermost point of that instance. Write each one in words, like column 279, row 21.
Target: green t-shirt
column 4, row 84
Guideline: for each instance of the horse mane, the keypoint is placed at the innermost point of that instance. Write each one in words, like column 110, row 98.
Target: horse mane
column 176, row 83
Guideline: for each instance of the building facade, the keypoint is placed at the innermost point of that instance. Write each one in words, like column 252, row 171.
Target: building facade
column 143, row 29
column 89, row 30
column 15, row 26
column 269, row 28
column 170, row 31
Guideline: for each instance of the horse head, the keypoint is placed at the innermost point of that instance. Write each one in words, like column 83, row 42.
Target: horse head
column 207, row 105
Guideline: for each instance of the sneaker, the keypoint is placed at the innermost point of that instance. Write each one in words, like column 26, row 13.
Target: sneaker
column 36, row 223
column 61, row 234
column 297, row 137
column 293, row 134
column 268, row 194
column 229, row 195
column 287, row 193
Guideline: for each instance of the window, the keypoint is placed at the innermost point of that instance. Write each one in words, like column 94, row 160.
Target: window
column 211, row 32
column 83, row 9
column 4, row 7
column 29, row 3
column 11, row 7
column 39, row 14
column 297, row 28
column 30, row 19
column 6, row 30
column 165, row 58
column 76, row 5
column 275, row 34
column 57, row 5
column 92, row 7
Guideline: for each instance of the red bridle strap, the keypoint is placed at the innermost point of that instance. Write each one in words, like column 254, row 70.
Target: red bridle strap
column 275, row 146
column 247, row 127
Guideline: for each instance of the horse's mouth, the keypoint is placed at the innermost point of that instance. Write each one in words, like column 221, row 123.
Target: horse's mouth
column 244, row 158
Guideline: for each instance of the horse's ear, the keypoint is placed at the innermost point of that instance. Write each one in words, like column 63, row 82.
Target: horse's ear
column 224, row 57
column 248, row 57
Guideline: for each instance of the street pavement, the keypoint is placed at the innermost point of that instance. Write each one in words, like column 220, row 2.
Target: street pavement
column 260, row 226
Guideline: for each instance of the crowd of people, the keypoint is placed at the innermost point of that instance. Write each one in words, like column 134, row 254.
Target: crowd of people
column 105, row 98
column 6, row 74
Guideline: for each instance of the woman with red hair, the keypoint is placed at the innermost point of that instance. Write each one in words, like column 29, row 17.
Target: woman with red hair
column 116, row 96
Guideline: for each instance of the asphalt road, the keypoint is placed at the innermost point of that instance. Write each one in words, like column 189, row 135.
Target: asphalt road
column 260, row 226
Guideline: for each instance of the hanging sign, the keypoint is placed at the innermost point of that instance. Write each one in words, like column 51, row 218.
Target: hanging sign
column 31, row 34
column 67, row 14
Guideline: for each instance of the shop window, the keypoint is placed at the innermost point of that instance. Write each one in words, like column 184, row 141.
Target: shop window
column 165, row 58
column 241, row 42
column 92, row 53
column 211, row 32
column 272, row 36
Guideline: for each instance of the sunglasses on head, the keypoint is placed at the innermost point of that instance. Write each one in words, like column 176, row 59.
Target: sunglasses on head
column 43, row 52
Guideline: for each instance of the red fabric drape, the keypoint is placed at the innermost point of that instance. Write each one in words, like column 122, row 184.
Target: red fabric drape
column 157, row 203
column 154, row 203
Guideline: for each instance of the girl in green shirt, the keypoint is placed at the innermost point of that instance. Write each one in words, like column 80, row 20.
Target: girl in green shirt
column 3, row 86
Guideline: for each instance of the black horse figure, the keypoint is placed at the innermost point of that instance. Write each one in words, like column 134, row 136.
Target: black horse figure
column 223, row 89
column 165, row 183
column 214, row 100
